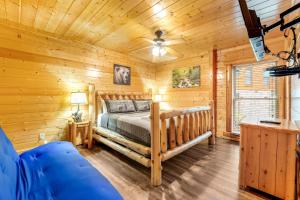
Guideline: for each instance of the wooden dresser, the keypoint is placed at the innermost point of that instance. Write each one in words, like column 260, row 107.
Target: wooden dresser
column 268, row 157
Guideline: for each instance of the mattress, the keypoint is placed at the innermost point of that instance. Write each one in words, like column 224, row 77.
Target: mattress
column 134, row 126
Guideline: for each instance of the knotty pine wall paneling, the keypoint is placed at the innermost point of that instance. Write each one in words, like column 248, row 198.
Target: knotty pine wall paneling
column 38, row 73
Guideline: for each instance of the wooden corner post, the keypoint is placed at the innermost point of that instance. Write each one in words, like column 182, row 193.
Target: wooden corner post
column 212, row 138
column 213, row 104
column 155, row 146
column 91, row 112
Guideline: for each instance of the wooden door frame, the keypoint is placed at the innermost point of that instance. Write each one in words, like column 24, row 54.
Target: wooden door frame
column 228, row 127
column 228, row 100
column 214, row 86
column 283, row 99
column 288, row 98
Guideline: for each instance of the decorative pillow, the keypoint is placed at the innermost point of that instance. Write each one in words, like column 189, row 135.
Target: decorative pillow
column 142, row 105
column 119, row 106
column 104, row 108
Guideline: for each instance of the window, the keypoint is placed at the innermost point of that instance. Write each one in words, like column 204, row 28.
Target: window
column 266, row 81
column 248, row 76
column 295, row 97
column 254, row 94
column 237, row 72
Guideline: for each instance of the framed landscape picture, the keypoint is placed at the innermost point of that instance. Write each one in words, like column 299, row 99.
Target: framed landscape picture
column 186, row 77
column 122, row 75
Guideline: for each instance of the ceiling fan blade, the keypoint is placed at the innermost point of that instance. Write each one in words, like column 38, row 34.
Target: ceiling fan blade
column 173, row 52
column 147, row 40
column 154, row 59
column 175, row 41
column 164, row 58
column 139, row 41
column 140, row 49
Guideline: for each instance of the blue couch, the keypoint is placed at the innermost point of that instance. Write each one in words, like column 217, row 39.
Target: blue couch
column 55, row 171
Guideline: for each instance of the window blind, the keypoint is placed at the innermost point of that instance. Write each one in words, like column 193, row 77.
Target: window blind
column 254, row 93
column 295, row 97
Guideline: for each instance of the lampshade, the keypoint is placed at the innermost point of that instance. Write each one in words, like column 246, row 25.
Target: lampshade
column 78, row 98
column 158, row 98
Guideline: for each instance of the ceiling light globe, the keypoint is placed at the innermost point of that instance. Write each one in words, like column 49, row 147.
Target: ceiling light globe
column 162, row 51
column 156, row 51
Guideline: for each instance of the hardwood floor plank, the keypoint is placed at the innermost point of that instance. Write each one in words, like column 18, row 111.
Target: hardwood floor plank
column 202, row 172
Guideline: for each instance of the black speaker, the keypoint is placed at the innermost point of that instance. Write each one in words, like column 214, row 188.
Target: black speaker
column 283, row 70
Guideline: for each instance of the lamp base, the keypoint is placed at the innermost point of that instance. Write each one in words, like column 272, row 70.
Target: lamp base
column 77, row 117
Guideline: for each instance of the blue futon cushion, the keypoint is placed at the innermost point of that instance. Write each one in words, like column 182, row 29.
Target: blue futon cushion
column 9, row 170
column 55, row 171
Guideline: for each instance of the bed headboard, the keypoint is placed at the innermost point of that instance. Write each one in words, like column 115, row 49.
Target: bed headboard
column 106, row 95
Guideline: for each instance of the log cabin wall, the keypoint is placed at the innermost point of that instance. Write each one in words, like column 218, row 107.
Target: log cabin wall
column 185, row 97
column 38, row 73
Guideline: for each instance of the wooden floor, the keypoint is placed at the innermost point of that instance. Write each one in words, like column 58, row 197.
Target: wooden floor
column 202, row 172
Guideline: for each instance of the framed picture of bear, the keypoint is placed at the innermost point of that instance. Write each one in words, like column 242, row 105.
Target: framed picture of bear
column 122, row 75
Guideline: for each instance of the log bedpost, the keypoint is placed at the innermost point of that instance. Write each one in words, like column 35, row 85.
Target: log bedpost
column 185, row 128
column 179, row 130
column 92, row 113
column 163, row 137
column 212, row 138
column 155, row 146
column 90, row 136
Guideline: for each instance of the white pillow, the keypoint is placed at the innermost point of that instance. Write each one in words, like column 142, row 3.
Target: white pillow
column 99, row 120
column 104, row 108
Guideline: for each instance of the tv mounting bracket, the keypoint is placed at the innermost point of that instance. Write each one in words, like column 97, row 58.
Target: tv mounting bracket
column 281, row 22
column 293, row 57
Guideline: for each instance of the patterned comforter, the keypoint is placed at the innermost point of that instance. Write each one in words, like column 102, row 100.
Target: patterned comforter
column 134, row 126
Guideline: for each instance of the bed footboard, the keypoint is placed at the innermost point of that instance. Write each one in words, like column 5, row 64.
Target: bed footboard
column 172, row 132
column 175, row 131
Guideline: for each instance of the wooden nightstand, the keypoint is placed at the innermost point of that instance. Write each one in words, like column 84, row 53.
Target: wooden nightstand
column 80, row 133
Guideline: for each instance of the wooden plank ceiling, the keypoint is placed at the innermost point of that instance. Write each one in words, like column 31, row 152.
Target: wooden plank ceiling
column 120, row 24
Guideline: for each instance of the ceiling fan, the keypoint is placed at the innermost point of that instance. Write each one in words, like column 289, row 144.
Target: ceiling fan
column 160, row 46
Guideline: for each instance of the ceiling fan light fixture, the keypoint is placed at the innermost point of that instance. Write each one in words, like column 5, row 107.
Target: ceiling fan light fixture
column 158, row 51
column 163, row 51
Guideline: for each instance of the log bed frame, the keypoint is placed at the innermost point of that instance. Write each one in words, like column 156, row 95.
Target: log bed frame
column 187, row 127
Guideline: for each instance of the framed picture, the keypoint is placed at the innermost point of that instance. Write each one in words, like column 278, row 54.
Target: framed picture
column 186, row 77
column 122, row 75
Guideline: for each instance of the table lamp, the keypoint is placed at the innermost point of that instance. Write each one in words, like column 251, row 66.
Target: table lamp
column 78, row 98
column 158, row 98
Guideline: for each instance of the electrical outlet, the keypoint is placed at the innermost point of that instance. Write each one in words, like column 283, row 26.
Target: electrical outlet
column 42, row 136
